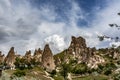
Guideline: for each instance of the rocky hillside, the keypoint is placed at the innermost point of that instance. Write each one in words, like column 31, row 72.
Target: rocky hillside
column 81, row 53
column 78, row 62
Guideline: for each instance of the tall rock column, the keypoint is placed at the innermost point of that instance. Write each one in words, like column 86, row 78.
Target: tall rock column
column 47, row 59
column 78, row 47
column 28, row 56
column 10, row 58
column 38, row 55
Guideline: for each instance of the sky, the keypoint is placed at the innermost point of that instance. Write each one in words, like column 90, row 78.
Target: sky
column 30, row 24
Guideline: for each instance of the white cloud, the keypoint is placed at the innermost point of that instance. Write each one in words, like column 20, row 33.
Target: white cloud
column 26, row 27
column 114, row 44
column 56, row 42
column 107, row 16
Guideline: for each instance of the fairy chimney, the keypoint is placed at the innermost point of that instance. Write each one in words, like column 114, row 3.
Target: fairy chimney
column 47, row 59
column 37, row 55
column 28, row 56
column 10, row 58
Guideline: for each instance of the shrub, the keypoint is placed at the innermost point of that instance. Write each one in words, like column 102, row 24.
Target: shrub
column 80, row 68
column 65, row 69
column 107, row 72
column 53, row 73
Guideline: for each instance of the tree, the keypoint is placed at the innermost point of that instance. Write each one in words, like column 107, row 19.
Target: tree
column 65, row 69
column 80, row 68
column 20, row 63
column 116, row 39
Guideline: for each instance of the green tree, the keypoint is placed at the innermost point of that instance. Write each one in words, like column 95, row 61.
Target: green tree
column 80, row 68
column 65, row 69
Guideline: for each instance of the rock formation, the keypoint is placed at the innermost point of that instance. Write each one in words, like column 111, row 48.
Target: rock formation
column 10, row 58
column 38, row 55
column 94, row 61
column 28, row 56
column 78, row 48
column 82, row 53
column 113, row 53
column 47, row 59
column 1, row 57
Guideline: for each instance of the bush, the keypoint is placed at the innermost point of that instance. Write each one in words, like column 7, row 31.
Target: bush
column 109, row 67
column 100, row 68
column 53, row 73
column 107, row 72
column 80, row 68
column 19, row 73
column 65, row 69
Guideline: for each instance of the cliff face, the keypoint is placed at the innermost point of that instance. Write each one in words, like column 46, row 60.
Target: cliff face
column 78, row 42
column 47, row 59
column 78, row 48
column 10, row 58
column 81, row 53
column 38, row 55
column 28, row 56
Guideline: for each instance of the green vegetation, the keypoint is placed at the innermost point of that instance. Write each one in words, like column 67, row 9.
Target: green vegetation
column 81, row 71
column 80, row 68
column 60, row 55
column 19, row 73
column 58, row 78
column 78, row 71
column 65, row 69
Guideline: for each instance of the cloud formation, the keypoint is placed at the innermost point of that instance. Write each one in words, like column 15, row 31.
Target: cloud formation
column 25, row 26
column 57, row 42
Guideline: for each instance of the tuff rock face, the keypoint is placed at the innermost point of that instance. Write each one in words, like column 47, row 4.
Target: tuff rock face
column 78, row 48
column 28, row 56
column 77, row 42
column 47, row 59
column 38, row 55
column 1, row 57
column 10, row 58
column 94, row 61
column 82, row 53
column 113, row 53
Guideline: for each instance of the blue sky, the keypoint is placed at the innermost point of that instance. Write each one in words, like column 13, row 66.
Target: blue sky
column 62, row 8
column 30, row 24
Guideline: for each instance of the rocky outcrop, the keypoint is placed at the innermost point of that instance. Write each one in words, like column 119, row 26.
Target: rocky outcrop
column 78, row 42
column 1, row 57
column 10, row 58
column 94, row 61
column 28, row 56
column 78, row 48
column 82, row 53
column 113, row 53
column 37, row 55
column 47, row 59
column 85, row 54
